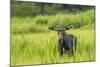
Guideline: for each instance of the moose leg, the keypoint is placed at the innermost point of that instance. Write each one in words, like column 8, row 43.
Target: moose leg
column 74, row 46
column 72, row 51
column 61, row 50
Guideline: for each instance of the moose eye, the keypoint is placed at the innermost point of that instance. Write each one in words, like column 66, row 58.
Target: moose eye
column 60, row 40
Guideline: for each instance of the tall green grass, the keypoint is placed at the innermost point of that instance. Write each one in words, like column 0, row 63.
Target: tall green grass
column 42, row 48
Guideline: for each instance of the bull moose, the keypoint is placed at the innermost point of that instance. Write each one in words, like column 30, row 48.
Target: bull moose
column 66, row 42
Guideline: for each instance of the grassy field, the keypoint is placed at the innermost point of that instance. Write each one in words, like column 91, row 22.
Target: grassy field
column 33, row 43
column 41, row 48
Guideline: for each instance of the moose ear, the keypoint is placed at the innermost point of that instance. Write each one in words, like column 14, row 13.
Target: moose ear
column 67, row 27
column 51, row 28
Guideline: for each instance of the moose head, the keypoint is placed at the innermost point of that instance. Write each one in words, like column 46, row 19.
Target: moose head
column 65, row 41
column 60, row 29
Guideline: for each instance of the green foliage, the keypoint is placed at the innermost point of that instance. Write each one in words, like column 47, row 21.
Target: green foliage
column 40, row 23
column 27, row 28
column 41, row 20
column 76, row 20
column 22, row 8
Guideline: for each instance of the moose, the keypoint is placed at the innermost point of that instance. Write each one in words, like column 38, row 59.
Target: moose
column 66, row 42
